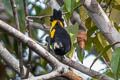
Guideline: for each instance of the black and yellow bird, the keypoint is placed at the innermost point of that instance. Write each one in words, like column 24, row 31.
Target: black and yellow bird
column 59, row 39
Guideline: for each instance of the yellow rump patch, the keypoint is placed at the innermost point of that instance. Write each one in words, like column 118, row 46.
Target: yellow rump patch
column 54, row 23
column 52, row 33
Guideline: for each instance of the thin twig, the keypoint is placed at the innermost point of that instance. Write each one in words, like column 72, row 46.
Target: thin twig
column 109, row 68
column 15, row 14
column 19, row 43
column 40, row 17
column 10, row 59
column 27, row 23
column 47, row 56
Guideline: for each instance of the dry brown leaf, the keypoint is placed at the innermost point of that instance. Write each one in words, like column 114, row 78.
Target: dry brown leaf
column 82, row 38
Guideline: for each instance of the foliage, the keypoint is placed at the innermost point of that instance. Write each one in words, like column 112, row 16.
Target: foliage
column 95, row 38
column 115, row 63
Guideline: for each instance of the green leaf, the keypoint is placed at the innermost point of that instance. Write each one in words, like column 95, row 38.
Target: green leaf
column 116, row 7
column 93, row 79
column 69, row 7
column 90, row 39
column 72, row 5
column 73, row 29
column 103, row 42
column 91, row 31
column 98, row 46
column 43, row 62
column 80, row 53
column 115, row 63
column 69, row 4
column 70, row 53
column 116, row 26
column 74, row 43
column 5, row 39
column 103, row 51
column 88, row 23
column 117, row 1
column 73, row 34
column 99, row 1
column 109, row 73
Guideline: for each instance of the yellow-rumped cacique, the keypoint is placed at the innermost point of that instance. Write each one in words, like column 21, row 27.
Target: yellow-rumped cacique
column 59, row 39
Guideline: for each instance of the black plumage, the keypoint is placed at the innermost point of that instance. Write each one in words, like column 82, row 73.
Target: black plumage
column 61, row 42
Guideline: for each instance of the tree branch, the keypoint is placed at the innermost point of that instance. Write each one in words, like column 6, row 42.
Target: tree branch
column 102, row 21
column 55, row 73
column 40, row 26
column 15, row 14
column 10, row 60
column 72, row 76
column 14, row 64
column 47, row 56
column 34, row 46
column 18, row 42
column 32, row 23
column 52, row 74
column 77, row 19
column 85, row 70
column 40, row 17
column 29, row 42
column 27, row 23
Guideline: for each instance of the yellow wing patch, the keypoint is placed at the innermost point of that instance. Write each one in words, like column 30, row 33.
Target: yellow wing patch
column 52, row 33
column 54, row 23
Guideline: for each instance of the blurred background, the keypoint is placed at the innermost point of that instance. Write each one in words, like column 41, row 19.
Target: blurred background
column 95, row 44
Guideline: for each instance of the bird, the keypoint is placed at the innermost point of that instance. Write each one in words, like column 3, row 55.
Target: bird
column 59, row 40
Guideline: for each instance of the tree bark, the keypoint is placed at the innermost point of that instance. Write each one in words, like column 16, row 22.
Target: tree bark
column 10, row 60
column 102, row 21
column 47, row 56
